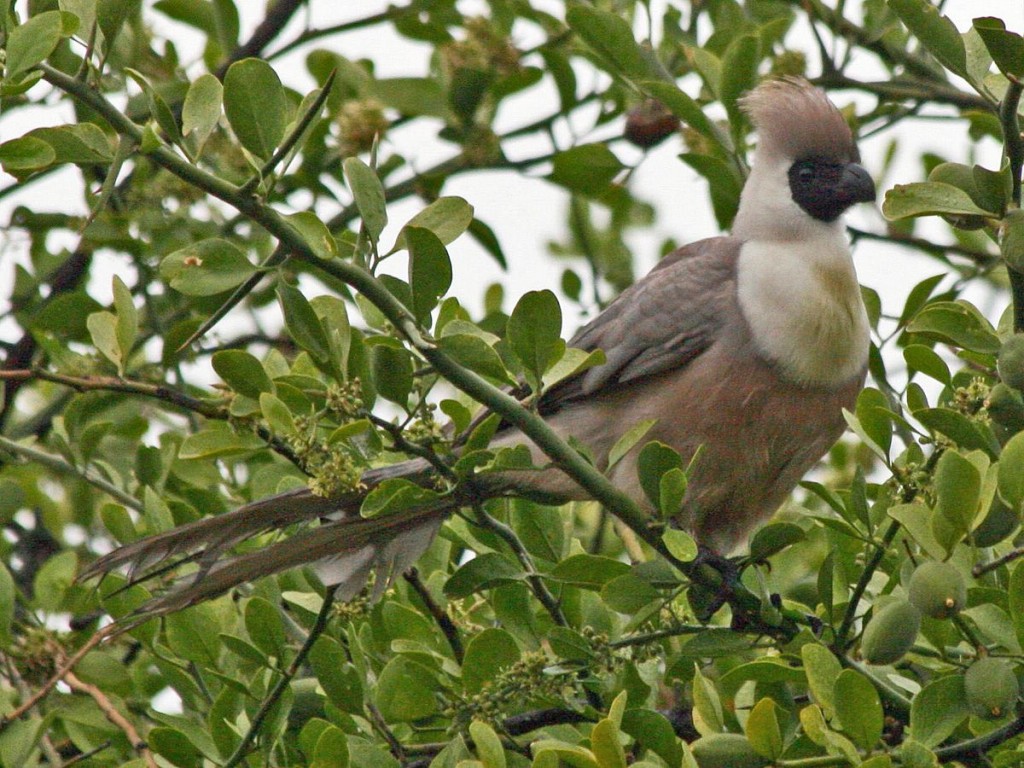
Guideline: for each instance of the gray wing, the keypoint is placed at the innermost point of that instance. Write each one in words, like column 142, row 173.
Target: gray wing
column 662, row 321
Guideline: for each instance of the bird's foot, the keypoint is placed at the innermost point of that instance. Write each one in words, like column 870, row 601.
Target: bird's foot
column 715, row 581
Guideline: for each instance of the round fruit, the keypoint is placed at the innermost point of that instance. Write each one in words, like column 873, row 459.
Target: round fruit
column 649, row 123
column 1006, row 407
column 890, row 633
column 1010, row 363
column 991, row 687
column 937, row 590
column 726, row 750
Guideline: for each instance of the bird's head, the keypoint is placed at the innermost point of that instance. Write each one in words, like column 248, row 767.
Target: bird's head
column 806, row 170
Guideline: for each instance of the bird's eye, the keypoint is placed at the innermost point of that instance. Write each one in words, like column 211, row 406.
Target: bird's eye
column 805, row 173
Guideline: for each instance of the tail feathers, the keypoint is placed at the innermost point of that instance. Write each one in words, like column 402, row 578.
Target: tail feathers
column 343, row 553
column 207, row 539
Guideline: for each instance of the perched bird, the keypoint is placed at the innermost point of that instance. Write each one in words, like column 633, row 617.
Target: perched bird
column 745, row 346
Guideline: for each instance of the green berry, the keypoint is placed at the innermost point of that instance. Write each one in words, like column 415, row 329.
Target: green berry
column 991, row 687
column 890, row 633
column 937, row 590
column 1010, row 363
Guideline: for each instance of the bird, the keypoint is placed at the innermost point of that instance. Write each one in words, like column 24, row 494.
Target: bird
column 743, row 349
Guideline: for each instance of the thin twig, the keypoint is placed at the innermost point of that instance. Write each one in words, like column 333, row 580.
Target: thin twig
column 110, row 712
column 999, row 562
column 444, row 621
column 257, row 722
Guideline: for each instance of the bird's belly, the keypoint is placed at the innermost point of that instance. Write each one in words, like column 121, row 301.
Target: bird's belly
column 758, row 435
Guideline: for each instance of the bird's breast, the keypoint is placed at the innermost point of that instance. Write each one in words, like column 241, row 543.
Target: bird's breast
column 803, row 306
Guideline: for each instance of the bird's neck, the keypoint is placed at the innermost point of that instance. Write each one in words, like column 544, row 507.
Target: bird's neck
column 802, row 302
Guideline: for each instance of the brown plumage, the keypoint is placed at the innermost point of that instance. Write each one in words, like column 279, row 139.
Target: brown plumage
column 747, row 346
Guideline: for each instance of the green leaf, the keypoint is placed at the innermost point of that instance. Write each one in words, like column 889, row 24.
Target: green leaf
column 929, row 198
column 628, row 594
column 412, row 95
column 873, row 414
column 570, row 645
column 924, row 359
column 822, row 668
column 192, row 634
column 8, row 596
column 588, row 571
column 476, row 354
column 763, row 731
column 158, row 107
column 957, row 490
column 242, row 372
column 127, row 325
column 103, row 331
column 369, row 195
column 774, row 537
column 707, row 706
column 680, row 545
column 739, row 70
column 723, row 184
column 206, row 268
column 175, row 746
column 337, row 675
column 256, row 106
column 587, row 168
column 489, row 652
column 858, row 708
column 53, row 580
column 30, row 43
column 1011, row 473
column 394, row 495
column 1006, row 48
column 393, row 373
column 331, row 750
column 216, row 442
column 653, row 731
column 938, row 709
column 1011, row 244
column 611, row 37
column 276, row 414
column 653, row 462
column 534, row 332
column 956, row 322
column 487, row 744
column 961, row 429
column 430, row 270
column 405, row 691
column 936, row 32
column 605, row 744
column 27, row 153
column 264, row 626
column 83, row 144
column 629, row 440
column 446, row 217
column 482, row 572
column 303, row 323
column 202, row 109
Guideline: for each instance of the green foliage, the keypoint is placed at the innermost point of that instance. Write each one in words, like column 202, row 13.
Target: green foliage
column 220, row 304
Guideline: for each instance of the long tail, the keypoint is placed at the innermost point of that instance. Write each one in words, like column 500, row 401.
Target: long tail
column 344, row 551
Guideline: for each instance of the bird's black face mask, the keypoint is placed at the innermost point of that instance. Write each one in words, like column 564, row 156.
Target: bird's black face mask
column 825, row 188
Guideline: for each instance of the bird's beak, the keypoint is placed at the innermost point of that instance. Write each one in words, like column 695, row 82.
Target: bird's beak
column 856, row 185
